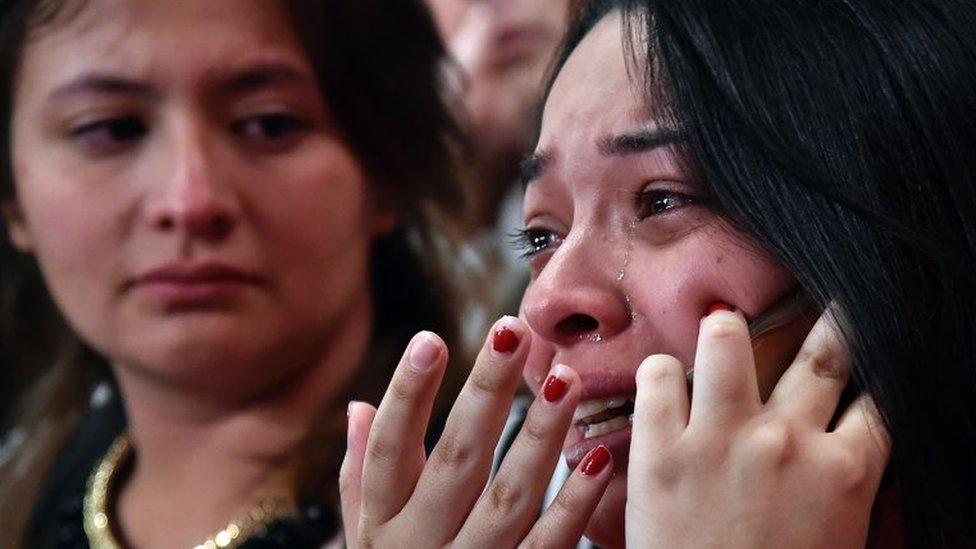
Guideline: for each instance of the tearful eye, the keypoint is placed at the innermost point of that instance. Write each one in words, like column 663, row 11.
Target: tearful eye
column 531, row 242
column 109, row 135
column 656, row 202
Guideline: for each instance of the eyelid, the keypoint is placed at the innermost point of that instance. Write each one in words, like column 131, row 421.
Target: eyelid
column 669, row 185
column 311, row 114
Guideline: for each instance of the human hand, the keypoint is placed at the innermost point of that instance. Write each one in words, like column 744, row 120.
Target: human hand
column 728, row 470
column 393, row 495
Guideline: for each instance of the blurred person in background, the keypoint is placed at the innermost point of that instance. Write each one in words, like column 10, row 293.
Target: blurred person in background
column 503, row 49
column 228, row 207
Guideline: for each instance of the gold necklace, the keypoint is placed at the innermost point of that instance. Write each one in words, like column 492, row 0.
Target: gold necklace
column 101, row 486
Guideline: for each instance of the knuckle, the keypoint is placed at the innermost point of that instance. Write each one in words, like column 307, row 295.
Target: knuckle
column 851, row 470
column 535, row 431
column 483, row 384
column 659, row 368
column 723, row 330
column 402, row 390
column 824, row 362
column 451, row 453
column 381, row 449
column 666, row 471
column 505, row 498
column 773, row 443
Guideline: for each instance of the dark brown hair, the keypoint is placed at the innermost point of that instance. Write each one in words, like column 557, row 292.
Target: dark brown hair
column 380, row 67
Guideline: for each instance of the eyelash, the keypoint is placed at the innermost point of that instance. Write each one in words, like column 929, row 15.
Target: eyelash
column 110, row 135
column 119, row 131
column 282, row 125
column 649, row 203
column 530, row 242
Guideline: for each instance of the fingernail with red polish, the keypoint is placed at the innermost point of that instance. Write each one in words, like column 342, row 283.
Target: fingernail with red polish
column 719, row 306
column 595, row 461
column 504, row 340
column 554, row 387
column 424, row 352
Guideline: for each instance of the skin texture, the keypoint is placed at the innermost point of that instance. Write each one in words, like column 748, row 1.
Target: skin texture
column 213, row 145
column 614, row 285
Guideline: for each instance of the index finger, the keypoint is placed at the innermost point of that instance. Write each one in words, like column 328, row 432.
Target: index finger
column 725, row 385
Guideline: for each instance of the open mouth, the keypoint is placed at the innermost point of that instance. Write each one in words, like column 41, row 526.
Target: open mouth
column 602, row 421
column 601, row 416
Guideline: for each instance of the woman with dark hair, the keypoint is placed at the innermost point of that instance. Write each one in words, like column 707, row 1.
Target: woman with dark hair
column 231, row 204
column 708, row 174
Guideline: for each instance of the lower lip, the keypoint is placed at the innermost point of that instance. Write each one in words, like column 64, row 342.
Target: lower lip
column 211, row 292
column 618, row 442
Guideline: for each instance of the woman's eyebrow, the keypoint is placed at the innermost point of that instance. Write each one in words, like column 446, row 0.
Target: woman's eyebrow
column 98, row 82
column 633, row 142
column 639, row 141
column 265, row 75
column 532, row 166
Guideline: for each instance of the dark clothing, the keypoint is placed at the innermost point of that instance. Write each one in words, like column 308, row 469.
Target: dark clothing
column 56, row 519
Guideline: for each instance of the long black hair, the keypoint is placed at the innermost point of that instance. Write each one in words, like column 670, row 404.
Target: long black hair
column 841, row 135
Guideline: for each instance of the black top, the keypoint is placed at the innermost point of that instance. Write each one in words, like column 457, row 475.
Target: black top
column 56, row 519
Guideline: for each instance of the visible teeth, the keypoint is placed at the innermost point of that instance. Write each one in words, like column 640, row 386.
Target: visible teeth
column 588, row 408
column 607, row 426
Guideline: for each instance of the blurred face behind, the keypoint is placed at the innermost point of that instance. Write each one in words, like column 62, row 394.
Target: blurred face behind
column 195, row 214
column 625, row 257
column 504, row 48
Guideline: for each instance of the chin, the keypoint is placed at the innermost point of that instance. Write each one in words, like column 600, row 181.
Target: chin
column 606, row 526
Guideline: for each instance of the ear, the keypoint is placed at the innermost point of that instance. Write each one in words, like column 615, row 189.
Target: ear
column 20, row 234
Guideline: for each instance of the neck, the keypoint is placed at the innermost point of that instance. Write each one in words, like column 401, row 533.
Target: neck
column 203, row 460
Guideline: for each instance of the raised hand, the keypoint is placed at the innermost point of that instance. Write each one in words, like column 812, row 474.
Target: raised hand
column 394, row 495
column 727, row 470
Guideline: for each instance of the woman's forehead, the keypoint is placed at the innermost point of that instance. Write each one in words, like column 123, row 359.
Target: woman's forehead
column 126, row 31
column 160, row 44
column 594, row 98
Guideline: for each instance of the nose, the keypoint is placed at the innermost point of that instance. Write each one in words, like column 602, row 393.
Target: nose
column 195, row 199
column 576, row 297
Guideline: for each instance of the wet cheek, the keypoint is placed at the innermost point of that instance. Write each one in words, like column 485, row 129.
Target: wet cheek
column 673, row 291
column 666, row 305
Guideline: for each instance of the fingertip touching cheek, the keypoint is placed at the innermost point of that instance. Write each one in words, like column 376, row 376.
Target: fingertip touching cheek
column 627, row 250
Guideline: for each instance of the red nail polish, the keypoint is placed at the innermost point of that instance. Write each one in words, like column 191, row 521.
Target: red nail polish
column 554, row 388
column 595, row 461
column 504, row 340
column 719, row 306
